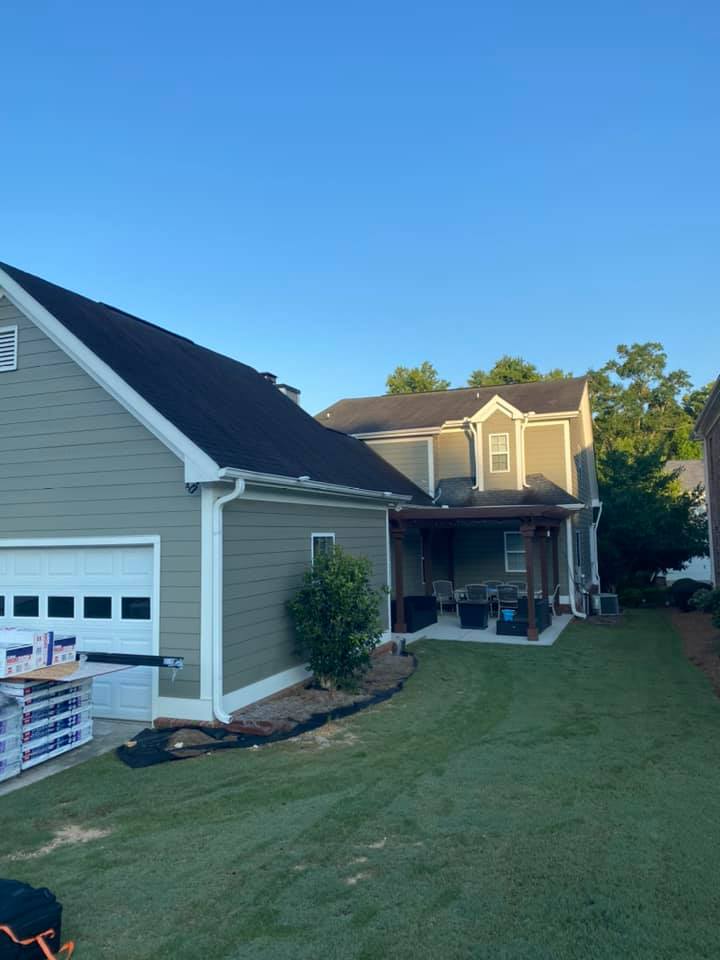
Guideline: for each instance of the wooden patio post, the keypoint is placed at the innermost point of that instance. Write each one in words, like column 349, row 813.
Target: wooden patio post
column 398, row 538
column 544, row 563
column 555, row 557
column 528, row 532
column 451, row 555
column 426, row 535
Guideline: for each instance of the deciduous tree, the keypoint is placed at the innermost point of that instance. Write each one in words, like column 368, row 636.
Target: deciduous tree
column 421, row 379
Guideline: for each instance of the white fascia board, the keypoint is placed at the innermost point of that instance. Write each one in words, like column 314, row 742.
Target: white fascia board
column 296, row 483
column 399, row 434
column 198, row 465
column 710, row 412
column 494, row 405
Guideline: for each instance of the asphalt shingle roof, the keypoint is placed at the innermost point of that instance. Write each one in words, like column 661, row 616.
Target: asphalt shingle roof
column 225, row 407
column 692, row 473
column 408, row 411
column 458, row 492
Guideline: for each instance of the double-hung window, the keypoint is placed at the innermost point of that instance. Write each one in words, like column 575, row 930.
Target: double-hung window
column 321, row 543
column 499, row 453
column 514, row 552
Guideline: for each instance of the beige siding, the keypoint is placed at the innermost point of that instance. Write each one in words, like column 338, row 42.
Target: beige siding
column 408, row 456
column 545, row 452
column 453, row 455
column 267, row 550
column 75, row 463
column 499, row 423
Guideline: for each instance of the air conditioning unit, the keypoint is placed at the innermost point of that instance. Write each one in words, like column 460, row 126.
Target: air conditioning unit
column 606, row 604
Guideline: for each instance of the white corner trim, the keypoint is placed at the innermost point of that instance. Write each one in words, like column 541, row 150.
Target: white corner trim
column 199, row 466
column 207, row 498
column 709, row 513
column 568, row 460
column 477, row 429
column 264, row 688
column 431, row 466
column 183, row 708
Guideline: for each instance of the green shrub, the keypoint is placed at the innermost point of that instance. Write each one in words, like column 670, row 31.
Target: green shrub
column 683, row 589
column 707, row 601
column 337, row 617
column 644, row 597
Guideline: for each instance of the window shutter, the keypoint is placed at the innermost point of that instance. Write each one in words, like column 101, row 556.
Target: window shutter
column 8, row 349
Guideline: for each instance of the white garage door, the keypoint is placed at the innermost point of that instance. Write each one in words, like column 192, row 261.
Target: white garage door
column 101, row 595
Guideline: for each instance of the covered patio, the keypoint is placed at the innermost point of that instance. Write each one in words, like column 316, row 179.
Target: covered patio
column 539, row 526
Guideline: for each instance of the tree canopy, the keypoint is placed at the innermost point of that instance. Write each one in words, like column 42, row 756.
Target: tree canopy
column 421, row 379
column 512, row 370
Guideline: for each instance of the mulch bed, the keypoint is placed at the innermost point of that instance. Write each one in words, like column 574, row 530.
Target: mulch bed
column 285, row 716
column 701, row 642
column 286, row 711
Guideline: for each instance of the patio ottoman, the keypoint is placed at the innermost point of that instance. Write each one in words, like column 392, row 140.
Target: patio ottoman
column 420, row 611
column 473, row 614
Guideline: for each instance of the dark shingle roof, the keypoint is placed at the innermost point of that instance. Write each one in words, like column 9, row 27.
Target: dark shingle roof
column 226, row 408
column 408, row 411
column 458, row 492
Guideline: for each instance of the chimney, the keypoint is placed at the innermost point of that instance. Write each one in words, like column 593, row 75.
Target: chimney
column 292, row 392
column 270, row 377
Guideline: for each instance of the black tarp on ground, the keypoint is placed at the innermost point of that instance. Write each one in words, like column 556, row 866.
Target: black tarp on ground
column 180, row 743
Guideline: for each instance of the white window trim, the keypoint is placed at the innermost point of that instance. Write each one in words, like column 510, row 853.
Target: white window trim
column 12, row 328
column 508, row 568
column 312, row 542
column 505, row 453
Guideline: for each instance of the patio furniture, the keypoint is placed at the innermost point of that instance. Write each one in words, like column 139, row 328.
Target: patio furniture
column 555, row 602
column 521, row 586
column 473, row 614
column 444, row 594
column 420, row 612
column 507, row 596
column 543, row 616
column 477, row 591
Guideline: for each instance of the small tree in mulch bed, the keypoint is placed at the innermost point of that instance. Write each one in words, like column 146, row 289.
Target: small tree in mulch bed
column 337, row 618
column 707, row 601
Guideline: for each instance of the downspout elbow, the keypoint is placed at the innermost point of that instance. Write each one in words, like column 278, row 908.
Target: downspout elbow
column 218, row 708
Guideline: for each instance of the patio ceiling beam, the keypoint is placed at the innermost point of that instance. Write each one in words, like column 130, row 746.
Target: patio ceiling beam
column 548, row 515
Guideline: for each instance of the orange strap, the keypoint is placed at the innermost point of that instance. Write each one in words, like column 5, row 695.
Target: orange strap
column 39, row 939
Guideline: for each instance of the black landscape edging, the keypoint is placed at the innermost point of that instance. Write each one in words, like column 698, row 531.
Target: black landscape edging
column 151, row 745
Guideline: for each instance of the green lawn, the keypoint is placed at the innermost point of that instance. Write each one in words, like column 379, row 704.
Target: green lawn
column 513, row 802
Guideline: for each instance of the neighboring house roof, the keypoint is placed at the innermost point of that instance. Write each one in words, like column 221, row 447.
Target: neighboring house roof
column 412, row 411
column 226, row 408
column 692, row 473
column 459, row 492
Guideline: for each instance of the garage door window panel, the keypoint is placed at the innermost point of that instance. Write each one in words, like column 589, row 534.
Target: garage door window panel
column 97, row 608
column 61, row 608
column 25, row 605
column 135, row 608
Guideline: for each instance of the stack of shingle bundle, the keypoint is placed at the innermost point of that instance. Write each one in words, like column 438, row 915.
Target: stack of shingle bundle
column 10, row 738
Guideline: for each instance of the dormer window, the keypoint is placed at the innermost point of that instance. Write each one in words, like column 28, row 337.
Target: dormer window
column 499, row 453
column 8, row 349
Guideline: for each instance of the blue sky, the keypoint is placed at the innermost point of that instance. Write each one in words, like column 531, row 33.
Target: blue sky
column 329, row 189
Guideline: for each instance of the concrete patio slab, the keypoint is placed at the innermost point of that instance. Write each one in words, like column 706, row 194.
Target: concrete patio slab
column 448, row 628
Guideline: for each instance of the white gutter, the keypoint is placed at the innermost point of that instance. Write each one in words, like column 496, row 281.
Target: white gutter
column 217, row 596
column 305, row 483
column 571, row 572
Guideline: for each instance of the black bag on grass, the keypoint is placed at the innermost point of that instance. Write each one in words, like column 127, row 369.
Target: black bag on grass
column 28, row 911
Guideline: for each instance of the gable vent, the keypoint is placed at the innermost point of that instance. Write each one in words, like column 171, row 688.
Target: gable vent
column 8, row 348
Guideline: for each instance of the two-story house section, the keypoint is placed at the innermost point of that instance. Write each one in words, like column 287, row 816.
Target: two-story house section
column 511, row 473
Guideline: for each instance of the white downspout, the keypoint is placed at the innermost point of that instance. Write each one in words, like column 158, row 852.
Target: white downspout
column 571, row 572
column 596, row 556
column 217, row 595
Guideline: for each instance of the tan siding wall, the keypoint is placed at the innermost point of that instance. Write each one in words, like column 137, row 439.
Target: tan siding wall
column 408, row 456
column 267, row 550
column 545, row 452
column 480, row 556
column 75, row 463
column 499, row 423
column 453, row 455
